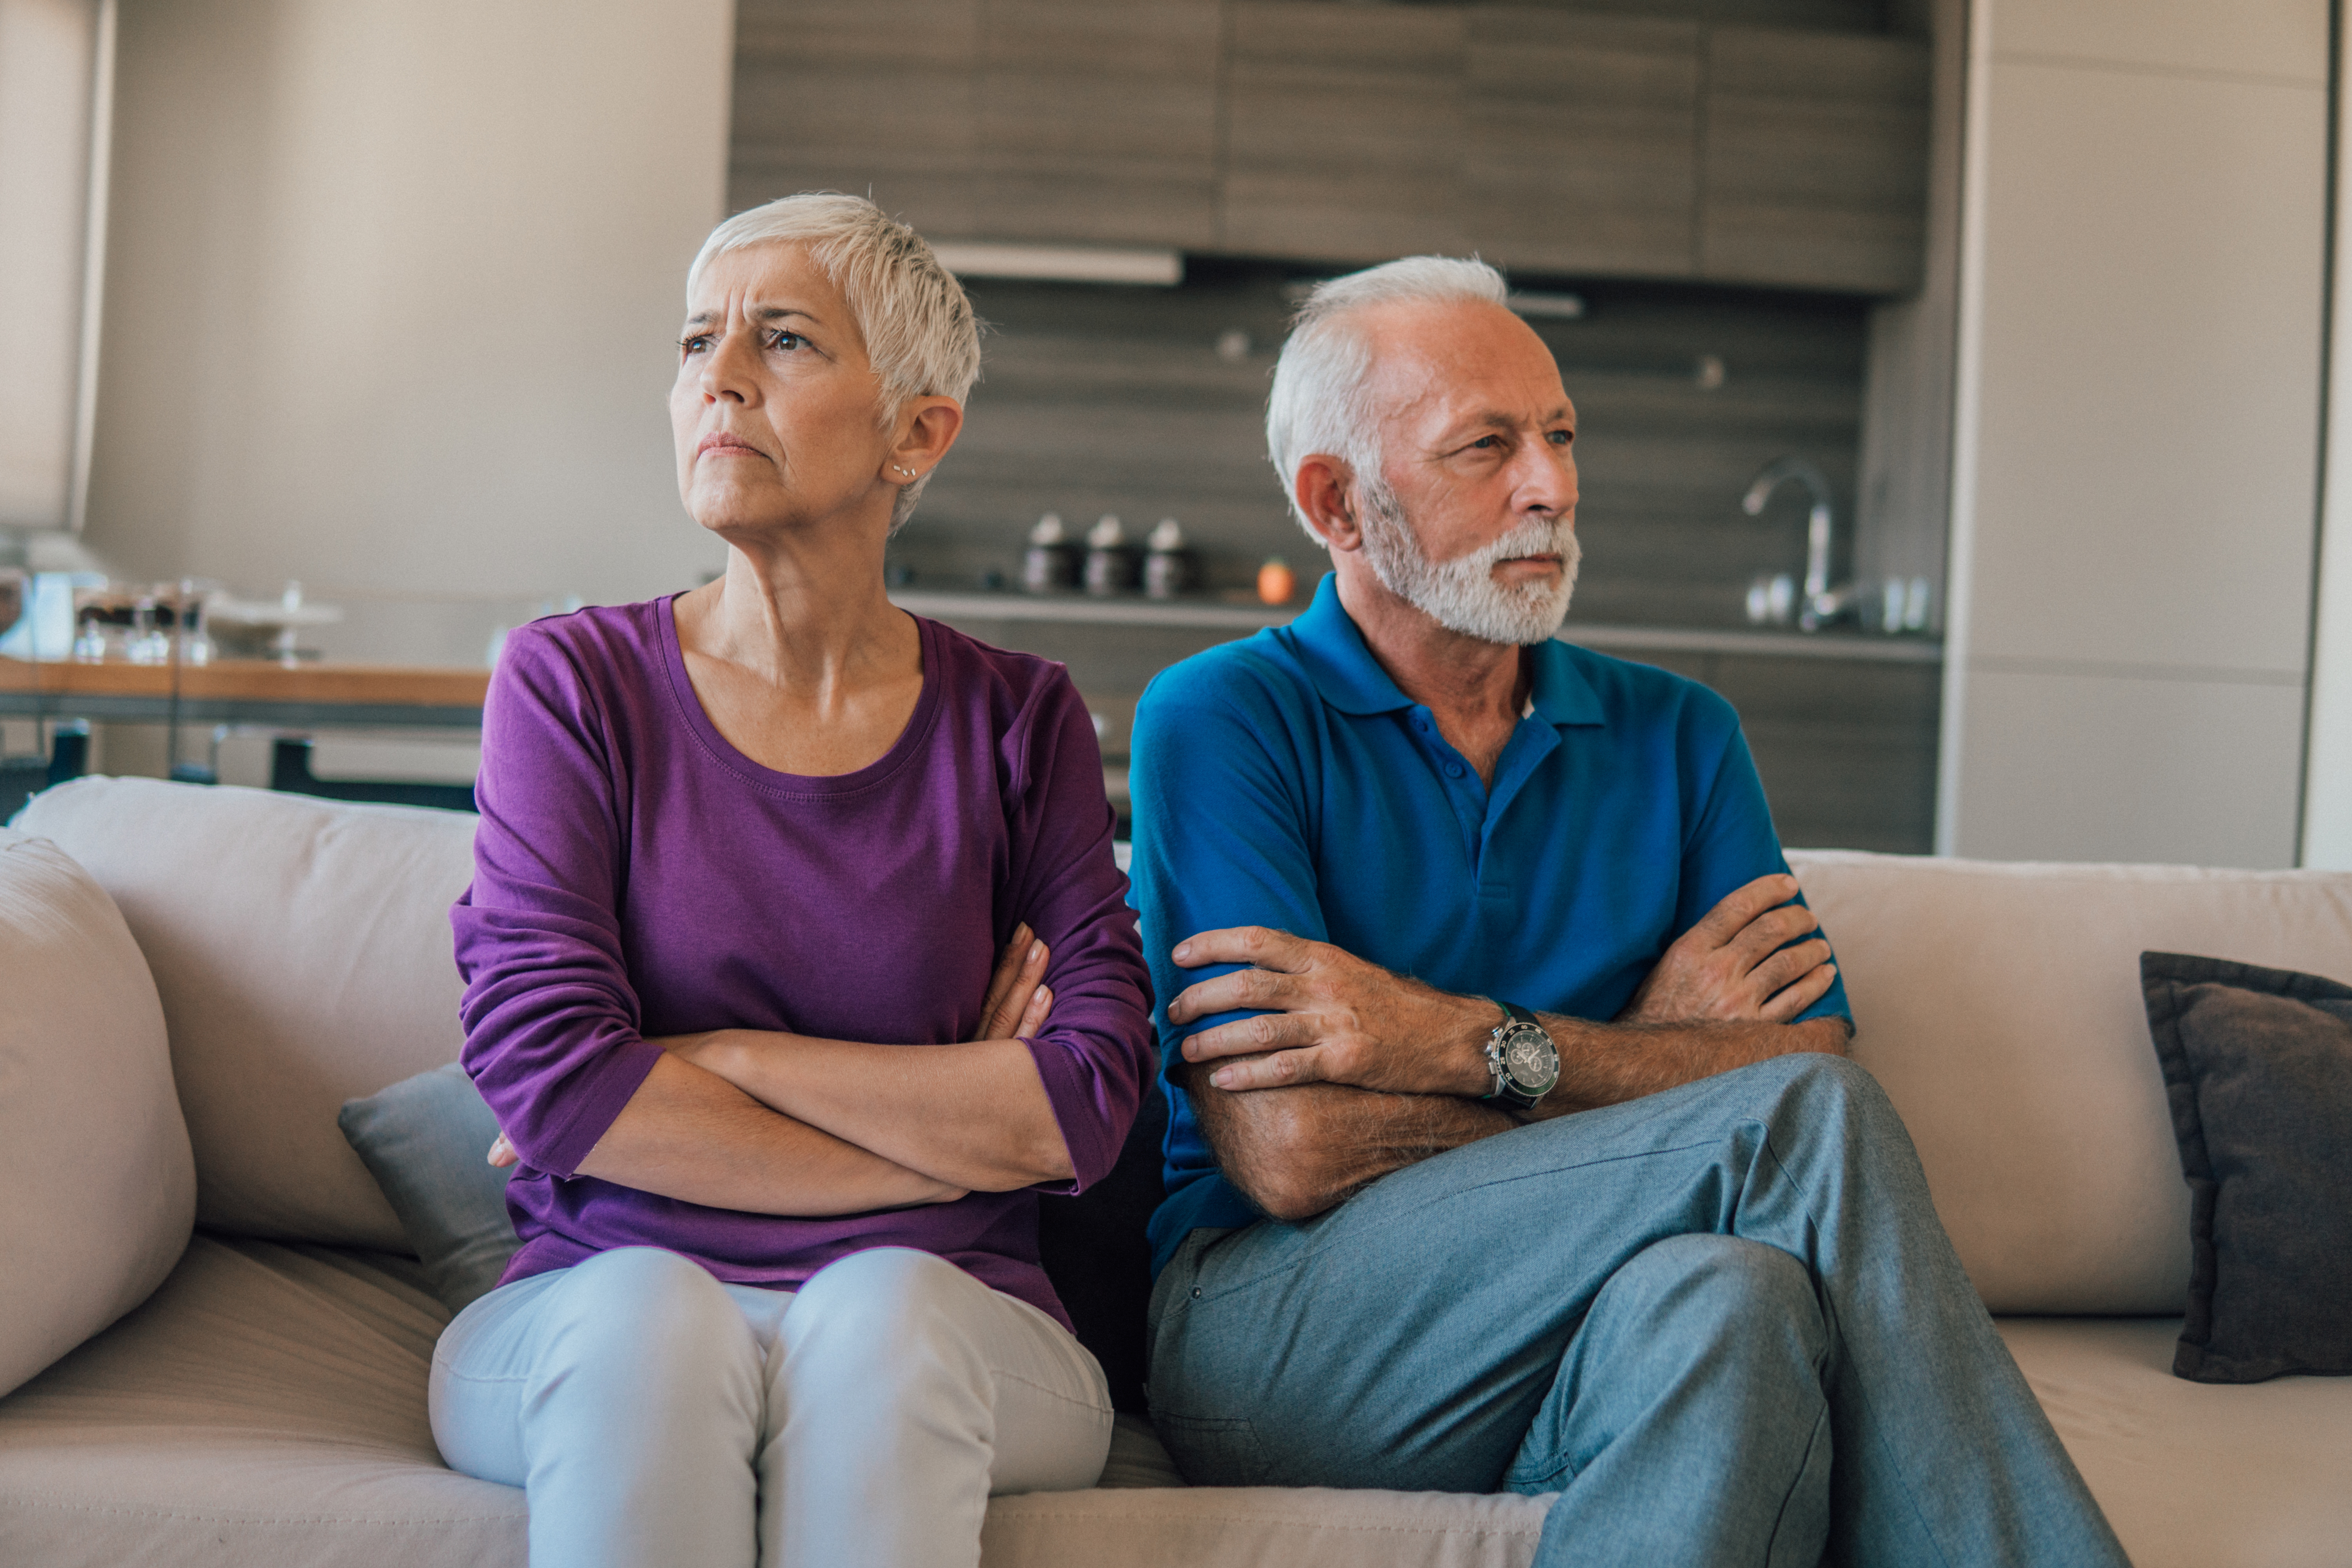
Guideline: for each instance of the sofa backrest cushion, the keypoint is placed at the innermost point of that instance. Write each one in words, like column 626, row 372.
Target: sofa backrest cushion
column 1999, row 1006
column 302, row 951
column 93, row 1155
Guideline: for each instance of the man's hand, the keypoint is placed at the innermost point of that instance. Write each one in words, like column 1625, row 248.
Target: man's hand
column 1736, row 965
column 1328, row 1017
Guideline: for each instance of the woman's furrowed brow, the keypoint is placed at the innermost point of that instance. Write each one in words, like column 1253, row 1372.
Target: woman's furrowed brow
column 765, row 313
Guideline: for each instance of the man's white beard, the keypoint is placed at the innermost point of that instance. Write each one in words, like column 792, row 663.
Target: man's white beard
column 1462, row 594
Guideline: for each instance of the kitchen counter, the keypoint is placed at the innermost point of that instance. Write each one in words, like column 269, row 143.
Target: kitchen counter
column 1210, row 614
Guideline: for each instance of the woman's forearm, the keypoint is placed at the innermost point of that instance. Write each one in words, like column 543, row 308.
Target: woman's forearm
column 974, row 1115
column 688, row 1134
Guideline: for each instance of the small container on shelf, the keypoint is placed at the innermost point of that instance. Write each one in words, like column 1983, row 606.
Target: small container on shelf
column 1274, row 582
column 1111, row 565
column 1168, row 567
column 1051, row 561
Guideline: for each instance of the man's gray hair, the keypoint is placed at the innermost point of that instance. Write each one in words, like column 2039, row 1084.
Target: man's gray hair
column 921, row 334
column 1321, row 401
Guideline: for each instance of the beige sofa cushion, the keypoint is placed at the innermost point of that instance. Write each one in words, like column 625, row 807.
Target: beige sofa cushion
column 304, row 953
column 2195, row 1474
column 94, row 1164
column 2001, row 1007
column 266, row 1409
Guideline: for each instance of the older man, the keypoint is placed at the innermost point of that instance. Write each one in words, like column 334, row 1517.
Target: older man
column 1512, row 1143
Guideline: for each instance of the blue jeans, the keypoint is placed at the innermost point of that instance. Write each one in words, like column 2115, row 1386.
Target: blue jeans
column 1722, row 1322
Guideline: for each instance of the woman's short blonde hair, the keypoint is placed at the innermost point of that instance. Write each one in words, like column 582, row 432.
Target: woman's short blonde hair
column 921, row 334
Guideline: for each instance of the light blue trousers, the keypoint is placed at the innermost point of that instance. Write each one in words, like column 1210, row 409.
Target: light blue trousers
column 1723, row 1322
column 660, row 1419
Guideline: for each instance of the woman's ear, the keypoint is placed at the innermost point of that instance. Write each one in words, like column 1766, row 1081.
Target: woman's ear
column 928, row 427
column 1324, row 491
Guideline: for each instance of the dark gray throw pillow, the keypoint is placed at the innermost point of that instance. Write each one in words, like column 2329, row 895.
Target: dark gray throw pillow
column 2257, row 1068
column 427, row 1140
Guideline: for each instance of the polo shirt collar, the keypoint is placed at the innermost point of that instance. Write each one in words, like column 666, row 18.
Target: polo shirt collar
column 1350, row 678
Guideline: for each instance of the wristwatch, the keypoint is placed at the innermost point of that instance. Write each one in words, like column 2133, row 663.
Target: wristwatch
column 1520, row 1054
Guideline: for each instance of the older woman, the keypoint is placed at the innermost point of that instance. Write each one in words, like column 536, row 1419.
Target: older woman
column 747, row 861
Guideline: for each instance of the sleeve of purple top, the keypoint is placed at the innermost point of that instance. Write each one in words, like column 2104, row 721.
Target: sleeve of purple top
column 1095, row 1054
column 552, row 1022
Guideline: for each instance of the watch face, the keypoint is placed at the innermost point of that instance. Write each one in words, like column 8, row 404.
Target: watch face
column 1530, row 1059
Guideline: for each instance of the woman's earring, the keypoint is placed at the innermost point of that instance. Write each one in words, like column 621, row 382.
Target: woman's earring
column 908, row 472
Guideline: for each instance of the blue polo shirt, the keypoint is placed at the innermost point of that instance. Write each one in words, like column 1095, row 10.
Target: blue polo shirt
column 1285, row 781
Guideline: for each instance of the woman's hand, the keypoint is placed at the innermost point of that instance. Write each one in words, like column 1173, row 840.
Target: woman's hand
column 1018, row 999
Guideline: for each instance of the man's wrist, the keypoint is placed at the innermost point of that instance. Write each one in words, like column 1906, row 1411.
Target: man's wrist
column 1476, row 1071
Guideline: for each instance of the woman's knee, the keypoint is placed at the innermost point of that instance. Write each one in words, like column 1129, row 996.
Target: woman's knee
column 890, row 1325
column 883, row 1301
column 646, row 1313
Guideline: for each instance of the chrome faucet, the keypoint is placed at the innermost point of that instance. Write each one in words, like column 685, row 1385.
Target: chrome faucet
column 1822, row 604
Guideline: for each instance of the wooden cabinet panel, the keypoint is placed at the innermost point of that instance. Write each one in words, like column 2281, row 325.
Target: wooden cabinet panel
column 1098, row 120
column 862, row 95
column 1343, row 131
column 1582, row 143
column 1814, row 160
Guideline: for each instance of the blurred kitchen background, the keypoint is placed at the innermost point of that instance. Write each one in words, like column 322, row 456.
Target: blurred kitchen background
column 379, row 299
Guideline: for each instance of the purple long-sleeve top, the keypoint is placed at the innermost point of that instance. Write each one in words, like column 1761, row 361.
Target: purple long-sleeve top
column 635, row 876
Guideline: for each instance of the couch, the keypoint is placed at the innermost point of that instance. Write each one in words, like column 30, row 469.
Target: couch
column 220, row 1344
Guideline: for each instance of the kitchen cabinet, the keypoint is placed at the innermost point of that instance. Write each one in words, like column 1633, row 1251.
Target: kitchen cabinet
column 1548, row 140
column 1815, row 158
column 862, row 95
column 1098, row 121
column 1343, row 131
column 1581, row 147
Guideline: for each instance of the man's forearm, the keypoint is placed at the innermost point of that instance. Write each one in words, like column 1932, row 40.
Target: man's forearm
column 1297, row 1152
column 1300, row 1151
column 1608, row 1064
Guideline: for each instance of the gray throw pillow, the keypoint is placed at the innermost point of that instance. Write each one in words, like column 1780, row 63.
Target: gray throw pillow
column 426, row 1140
column 2258, row 1069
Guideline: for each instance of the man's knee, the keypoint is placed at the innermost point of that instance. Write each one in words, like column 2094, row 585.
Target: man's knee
column 1821, row 1086
column 1721, row 1274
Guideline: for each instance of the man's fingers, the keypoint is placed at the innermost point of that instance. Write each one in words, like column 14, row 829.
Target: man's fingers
column 1283, row 1070
column 1784, row 1007
column 1225, row 993
column 1772, row 930
column 1247, row 1037
column 1788, row 965
column 1260, row 945
column 1742, row 905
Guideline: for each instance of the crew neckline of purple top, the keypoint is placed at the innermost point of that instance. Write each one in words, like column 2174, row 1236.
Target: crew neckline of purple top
column 881, row 771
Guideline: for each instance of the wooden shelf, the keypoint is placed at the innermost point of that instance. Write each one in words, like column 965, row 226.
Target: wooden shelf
column 247, row 691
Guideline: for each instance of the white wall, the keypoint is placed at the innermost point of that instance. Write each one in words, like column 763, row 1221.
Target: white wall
column 2137, row 442
column 392, row 292
column 49, row 79
column 2328, row 776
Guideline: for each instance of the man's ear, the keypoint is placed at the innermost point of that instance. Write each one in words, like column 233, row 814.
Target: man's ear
column 1326, row 493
